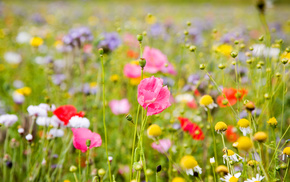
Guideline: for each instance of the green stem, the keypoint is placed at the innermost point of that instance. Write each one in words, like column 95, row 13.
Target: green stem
column 104, row 117
column 286, row 171
column 213, row 135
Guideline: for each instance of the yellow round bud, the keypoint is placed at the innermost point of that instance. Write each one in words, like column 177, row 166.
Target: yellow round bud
column 243, row 123
column 205, row 100
column 260, row 136
column 286, row 151
column 220, row 127
column 244, row 143
column 178, row 179
column 188, row 162
column 154, row 130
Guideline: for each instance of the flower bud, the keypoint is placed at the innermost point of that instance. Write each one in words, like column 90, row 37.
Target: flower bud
column 278, row 74
column 188, row 23
column 261, row 38
column 142, row 62
column 284, row 60
column 140, row 37
column 101, row 172
column 251, row 48
column 137, row 166
column 88, row 143
column 158, row 168
column 287, row 49
column 144, row 33
column 192, row 48
column 149, row 172
column 73, row 169
column 221, row 66
column 250, row 106
column 202, row 66
column 129, row 117
column 234, row 54
column 261, row 6
column 101, row 51
column 236, row 42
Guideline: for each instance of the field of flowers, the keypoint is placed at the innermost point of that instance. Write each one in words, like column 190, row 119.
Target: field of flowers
column 108, row 92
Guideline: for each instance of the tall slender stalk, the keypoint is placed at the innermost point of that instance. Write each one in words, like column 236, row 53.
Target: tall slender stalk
column 104, row 115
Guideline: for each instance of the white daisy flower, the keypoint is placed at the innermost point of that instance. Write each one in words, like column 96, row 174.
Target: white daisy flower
column 56, row 132
column 79, row 122
column 212, row 160
column 258, row 178
column 244, row 126
column 36, row 111
column 23, row 37
column 231, row 178
column 29, row 137
column 207, row 102
column 184, row 98
column 232, row 156
column 8, row 119
column 18, row 98
column 12, row 57
column 246, row 131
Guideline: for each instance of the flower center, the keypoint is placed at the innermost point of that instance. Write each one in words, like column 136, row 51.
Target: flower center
column 233, row 179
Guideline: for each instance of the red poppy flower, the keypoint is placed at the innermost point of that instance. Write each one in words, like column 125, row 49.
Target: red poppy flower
column 193, row 129
column 231, row 134
column 64, row 113
column 192, row 104
column 132, row 54
column 231, row 96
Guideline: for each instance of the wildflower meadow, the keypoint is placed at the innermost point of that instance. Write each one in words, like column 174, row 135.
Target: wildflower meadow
column 113, row 91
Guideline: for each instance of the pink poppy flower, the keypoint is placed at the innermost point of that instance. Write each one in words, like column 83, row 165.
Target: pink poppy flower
column 132, row 70
column 153, row 96
column 120, row 106
column 130, row 40
column 81, row 135
column 155, row 60
column 163, row 146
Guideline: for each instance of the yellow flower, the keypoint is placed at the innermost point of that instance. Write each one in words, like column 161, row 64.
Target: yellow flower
column 253, row 163
column 2, row 67
column 222, row 169
column 286, row 151
column 36, row 41
column 93, row 84
column 230, row 152
column 24, row 91
column 244, row 143
column 114, row 78
column 150, row 19
column 260, row 136
column 243, row 123
column 224, row 49
column 272, row 121
column 58, row 43
column 285, row 55
column 178, row 179
column 135, row 81
column 66, row 180
column 188, row 162
column 220, row 127
column 154, row 130
column 205, row 100
column 135, row 62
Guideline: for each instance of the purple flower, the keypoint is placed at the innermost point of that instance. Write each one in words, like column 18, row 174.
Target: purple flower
column 110, row 42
